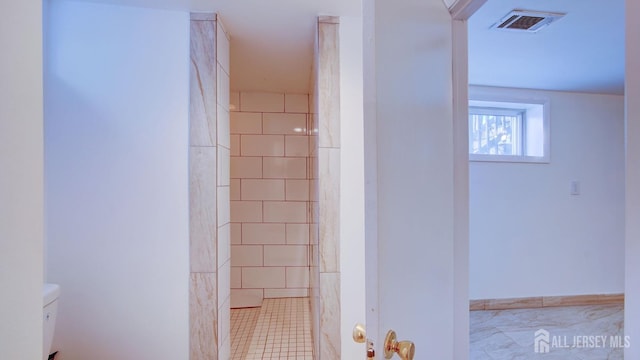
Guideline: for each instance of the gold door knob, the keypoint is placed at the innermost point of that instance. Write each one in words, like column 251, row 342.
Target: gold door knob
column 359, row 334
column 405, row 349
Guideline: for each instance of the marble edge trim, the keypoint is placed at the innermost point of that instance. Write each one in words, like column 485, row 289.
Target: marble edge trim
column 223, row 27
column 203, row 16
column 545, row 301
column 329, row 19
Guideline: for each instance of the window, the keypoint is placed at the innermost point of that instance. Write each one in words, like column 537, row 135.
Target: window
column 495, row 131
column 508, row 131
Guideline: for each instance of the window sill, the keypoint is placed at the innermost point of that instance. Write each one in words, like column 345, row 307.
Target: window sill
column 509, row 159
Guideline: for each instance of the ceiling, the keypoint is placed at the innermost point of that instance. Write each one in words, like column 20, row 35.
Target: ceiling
column 583, row 51
column 272, row 42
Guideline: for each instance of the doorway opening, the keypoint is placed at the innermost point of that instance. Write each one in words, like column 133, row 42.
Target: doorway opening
column 528, row 219
column 272, row 176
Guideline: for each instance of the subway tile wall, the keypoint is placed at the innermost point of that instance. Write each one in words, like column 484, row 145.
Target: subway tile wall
column 269, row 192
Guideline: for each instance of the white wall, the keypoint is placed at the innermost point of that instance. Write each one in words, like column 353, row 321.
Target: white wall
column 352, row 276
column 632, row 233
column 117, row 180
column 21, row 180
column 415, row 182
column 528, row 235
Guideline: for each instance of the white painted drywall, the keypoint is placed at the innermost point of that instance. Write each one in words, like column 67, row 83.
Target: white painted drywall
column 461, row 333
column 632, row 225
column 116, row 127
column 528, row 235
column 352, row 276
column 413, row 76
column 21, row 180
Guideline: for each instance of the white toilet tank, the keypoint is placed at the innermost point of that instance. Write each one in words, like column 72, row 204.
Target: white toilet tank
column 50, row 294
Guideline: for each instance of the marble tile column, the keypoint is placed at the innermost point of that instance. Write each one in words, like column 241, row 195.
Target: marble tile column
column 223, row 191
column 328, row 124
column 209, row 189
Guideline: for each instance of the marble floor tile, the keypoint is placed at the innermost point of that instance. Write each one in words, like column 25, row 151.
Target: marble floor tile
column 574, row 332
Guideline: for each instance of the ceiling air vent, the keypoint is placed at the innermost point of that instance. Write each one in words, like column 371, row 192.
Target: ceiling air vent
column 528, row 21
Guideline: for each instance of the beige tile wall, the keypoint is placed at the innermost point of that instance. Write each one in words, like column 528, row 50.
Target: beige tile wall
column 209, row 193
column 269, row 197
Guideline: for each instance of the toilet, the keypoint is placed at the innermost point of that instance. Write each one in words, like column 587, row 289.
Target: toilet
column 50, row 294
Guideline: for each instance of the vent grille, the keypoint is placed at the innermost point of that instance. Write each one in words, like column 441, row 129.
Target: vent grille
column 529, row 21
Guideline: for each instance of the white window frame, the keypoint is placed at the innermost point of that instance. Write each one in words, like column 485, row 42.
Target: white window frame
column 537, row 115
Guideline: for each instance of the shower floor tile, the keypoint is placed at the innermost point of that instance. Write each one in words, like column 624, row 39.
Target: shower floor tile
column 243, row 323
column 282, row 331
